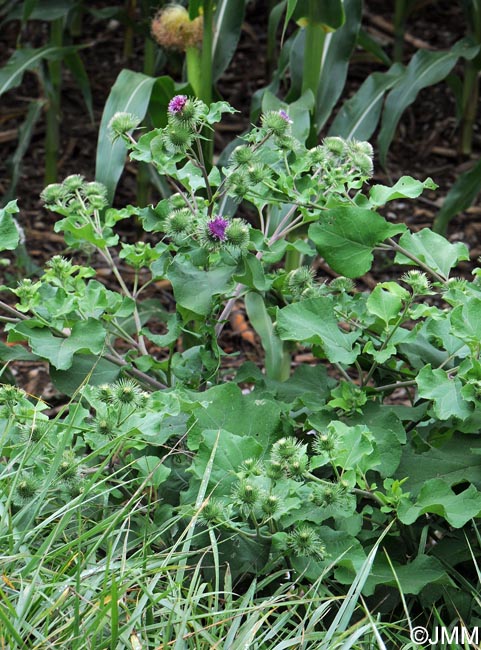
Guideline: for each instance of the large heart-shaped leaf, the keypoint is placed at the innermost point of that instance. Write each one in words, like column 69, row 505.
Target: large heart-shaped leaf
column 346, row 237
column 444, row 391
column 87, row 335
column 194, row 288
column 433, row 250
column 438, row 498
column 314, row 321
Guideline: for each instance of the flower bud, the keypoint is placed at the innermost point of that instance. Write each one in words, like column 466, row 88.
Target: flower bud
column 242, row 155
column 270, row 505
column 186, row 111
column 106, row 426
column 275, row 470
column 277, row 122
column 177, row 138
column 299, row 280
column 246, row 494
column 104, row 393
column 305, row 542
column 26, row 489
column 335, row 145
column 418, row 281
column 297, row 467
column 237, row 234
column 53, row 194
column 212, row 513
column 238, row 183
column 74, row 182
column 285, row 449
column 125, row 391
column 325, row 442
column 179, row 224
column 342, row 284
column 121, row 123
column 258, row 172
column 356, row 146
column 362, row 163
column 67, row 471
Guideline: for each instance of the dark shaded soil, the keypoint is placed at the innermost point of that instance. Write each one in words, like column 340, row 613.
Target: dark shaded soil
column 426, row 142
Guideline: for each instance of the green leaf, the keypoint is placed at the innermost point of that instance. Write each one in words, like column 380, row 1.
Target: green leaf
column 406, row 187
column 195, row 288
column 232, row 451
column 444, row 391
column 384, row 304
column 86, row 335
column 438, row 498
column 11, row 74
column 354, row 447
column 346, row 237
column 359, row 116
column 425, row 69
column 308, row 385
column 174, row 330
column 228, row 18
column 338, row 48
column 461, row 195
column 253, row 275
column 45, row 10
column 275, row 362
column 130, row 94
column 25, row 133
column 152, row 470
column 413, row 577
column 330, row 14
column 9, row 233
column 466, row 321
column 457, row 461
column 217, row 110
column 77, row 68
column 15, row 353
column 314, row 321
column 225, row 407
column 85, row 368
column 432, row 249
column 388, row 432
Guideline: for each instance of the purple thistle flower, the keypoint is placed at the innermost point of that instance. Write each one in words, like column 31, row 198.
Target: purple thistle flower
column 176, row 104
column 285, row 117
column 217, row 228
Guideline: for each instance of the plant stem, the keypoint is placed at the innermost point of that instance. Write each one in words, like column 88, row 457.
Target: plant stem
column 206, row 79
column 470, row 94
column 143, row 177
column 52, row 136
column 129, row 31
column 399, row 384
column 138, row 374
column 311, row 74
column 194, row 71
column 399, row 249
